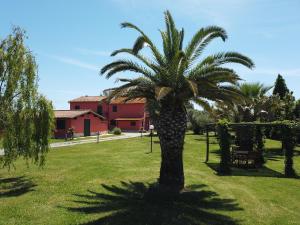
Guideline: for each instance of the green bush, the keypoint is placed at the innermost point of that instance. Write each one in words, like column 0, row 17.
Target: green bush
column 197, row 120
column 259, row 142
column 224, row 142
column 116, row 131
column 189, row 126
column 288, row 144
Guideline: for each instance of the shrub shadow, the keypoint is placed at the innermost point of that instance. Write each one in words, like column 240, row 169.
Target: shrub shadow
column 133, row 203
column 273, row 154
column 256, row 172
column 212, row 141
column 15, row 186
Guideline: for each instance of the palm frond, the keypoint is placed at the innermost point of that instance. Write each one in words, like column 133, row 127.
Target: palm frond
column 147, row 40
column 194, row 87
column 227, row 57
column 139, row 44
column 203, row 103
column 202, row 38
column 142, row 58
column 140, row 85
column 214, row 74
column 126, row 65
column 181, row 35
column 161, row 92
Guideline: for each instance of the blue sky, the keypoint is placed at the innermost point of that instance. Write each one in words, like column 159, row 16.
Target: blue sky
column 72, row 40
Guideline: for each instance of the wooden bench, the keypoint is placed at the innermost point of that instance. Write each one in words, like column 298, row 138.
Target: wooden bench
column 242, row 158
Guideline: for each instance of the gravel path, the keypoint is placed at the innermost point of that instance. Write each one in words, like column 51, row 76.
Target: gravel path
column 70, row 143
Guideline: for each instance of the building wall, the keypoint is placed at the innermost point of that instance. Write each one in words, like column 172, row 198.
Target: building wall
column 84, row 105
column 127, row 111
column 125, row 125
column 96, row 124
column 77, row 124
column 60, row 133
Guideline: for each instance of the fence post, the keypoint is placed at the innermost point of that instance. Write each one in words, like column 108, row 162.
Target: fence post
column 224, row 142
column 207, row 144
column 98, row 136
column 288, row 144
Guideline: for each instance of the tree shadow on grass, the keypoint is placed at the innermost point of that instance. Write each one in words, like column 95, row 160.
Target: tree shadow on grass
column 273, row 154
column 133, row 203
column 256, row 172
column 276, row 154
column 15, row 186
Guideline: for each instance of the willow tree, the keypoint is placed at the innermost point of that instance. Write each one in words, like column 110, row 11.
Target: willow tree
column 26, row 117
column 173, row 77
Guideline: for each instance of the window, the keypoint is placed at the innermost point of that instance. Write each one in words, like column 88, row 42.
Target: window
column 60, row 124
column 77, row 106
column 133, row 123
column 114, row 108
column 99, row 110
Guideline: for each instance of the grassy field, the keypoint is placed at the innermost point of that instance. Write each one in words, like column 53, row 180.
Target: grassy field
column 106, row 183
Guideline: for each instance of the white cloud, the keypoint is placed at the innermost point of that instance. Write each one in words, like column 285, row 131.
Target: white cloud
column 92, row 52
column 75, row 62
column 222, row 12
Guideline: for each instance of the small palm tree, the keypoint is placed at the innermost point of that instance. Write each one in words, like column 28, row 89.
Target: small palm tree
column 173, row 77
column 255, row 98
column 254, row 90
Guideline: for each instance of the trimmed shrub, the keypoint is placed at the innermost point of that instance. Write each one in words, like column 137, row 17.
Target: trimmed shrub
column 224, row 142
column 259, row 142
column 245, row 136
column 288, row 144
column 116, row 131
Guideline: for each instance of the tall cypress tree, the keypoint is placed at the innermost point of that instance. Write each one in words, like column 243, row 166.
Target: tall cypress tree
column 297, row 109
column 280, row 87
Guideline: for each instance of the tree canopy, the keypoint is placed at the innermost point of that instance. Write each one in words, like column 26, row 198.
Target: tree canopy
column 280, row 87
column 26, row 118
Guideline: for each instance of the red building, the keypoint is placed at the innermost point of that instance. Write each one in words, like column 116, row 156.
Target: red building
column 90, row 114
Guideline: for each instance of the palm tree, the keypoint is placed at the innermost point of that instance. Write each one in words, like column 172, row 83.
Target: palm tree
column 255, row 98
column 173, row 77
column 254, row 90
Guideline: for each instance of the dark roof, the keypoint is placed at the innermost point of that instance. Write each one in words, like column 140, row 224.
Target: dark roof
column 73, row 113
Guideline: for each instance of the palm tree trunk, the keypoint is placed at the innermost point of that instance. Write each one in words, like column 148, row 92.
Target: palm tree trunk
column 171, row 131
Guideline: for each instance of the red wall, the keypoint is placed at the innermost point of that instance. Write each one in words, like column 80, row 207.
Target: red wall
column 129, row 110
column 77, row 124
column 124, row 125
column 85, row 105
column 96, row 124
column 60, row 133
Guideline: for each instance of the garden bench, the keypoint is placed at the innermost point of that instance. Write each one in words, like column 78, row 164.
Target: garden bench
column 242, row 158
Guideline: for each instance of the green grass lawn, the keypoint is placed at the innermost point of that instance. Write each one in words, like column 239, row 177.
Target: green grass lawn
column 106, row 183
